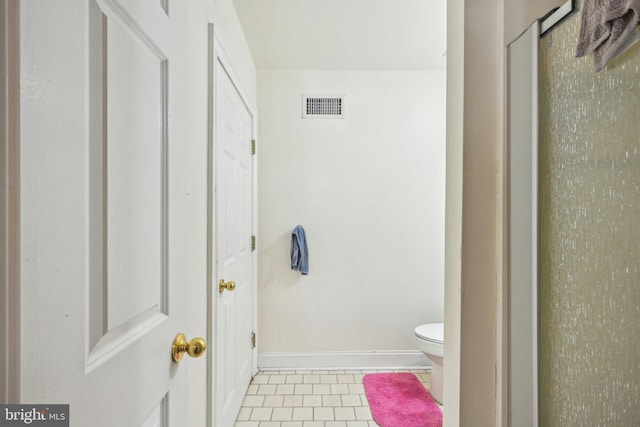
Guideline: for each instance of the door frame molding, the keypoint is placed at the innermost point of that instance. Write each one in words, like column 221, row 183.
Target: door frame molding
column 217, row 54
column 10, row 201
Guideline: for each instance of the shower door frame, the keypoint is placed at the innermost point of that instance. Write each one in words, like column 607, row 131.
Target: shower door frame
column 522, row 218
column 522, row 242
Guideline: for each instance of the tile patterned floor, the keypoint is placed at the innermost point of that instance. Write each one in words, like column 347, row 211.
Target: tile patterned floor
column 310, row 399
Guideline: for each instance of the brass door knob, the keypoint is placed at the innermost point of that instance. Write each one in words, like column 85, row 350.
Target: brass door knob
column 226, row 285
column 194, row 348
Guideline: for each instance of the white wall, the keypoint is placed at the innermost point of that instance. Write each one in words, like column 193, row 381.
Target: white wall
column 369, row 191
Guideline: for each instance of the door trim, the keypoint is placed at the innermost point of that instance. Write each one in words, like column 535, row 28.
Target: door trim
column 217, row 54
column 10, row 201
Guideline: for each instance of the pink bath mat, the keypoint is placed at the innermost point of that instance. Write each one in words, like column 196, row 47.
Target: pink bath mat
column 400, row 400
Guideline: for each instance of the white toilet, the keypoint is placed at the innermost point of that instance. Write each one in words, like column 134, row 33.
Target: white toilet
column 430, row 340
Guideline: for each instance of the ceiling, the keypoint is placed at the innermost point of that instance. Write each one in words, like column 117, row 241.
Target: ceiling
column 345, row 34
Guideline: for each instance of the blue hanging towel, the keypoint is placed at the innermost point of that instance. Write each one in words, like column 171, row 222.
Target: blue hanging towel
column 299, row 251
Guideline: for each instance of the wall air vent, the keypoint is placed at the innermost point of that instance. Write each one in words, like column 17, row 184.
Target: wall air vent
column 323, row 106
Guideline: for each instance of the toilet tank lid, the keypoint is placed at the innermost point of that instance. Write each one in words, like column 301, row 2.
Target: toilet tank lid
column 431, row 332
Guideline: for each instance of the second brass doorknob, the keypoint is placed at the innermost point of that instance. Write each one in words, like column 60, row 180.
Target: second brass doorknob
column 229, row 286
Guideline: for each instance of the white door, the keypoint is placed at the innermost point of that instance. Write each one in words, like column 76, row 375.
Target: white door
column 103, row 183
column 234, row 257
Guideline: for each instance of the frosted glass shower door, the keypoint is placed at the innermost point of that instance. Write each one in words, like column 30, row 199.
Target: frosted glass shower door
column 589, row 222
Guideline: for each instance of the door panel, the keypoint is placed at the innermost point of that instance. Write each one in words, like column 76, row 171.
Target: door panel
column 234, row 225
column 134, row 177
column 136, row 170
column 103, row 210
column 158, row 417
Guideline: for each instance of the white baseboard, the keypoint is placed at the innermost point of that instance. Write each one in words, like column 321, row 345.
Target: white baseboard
column 408, row 359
